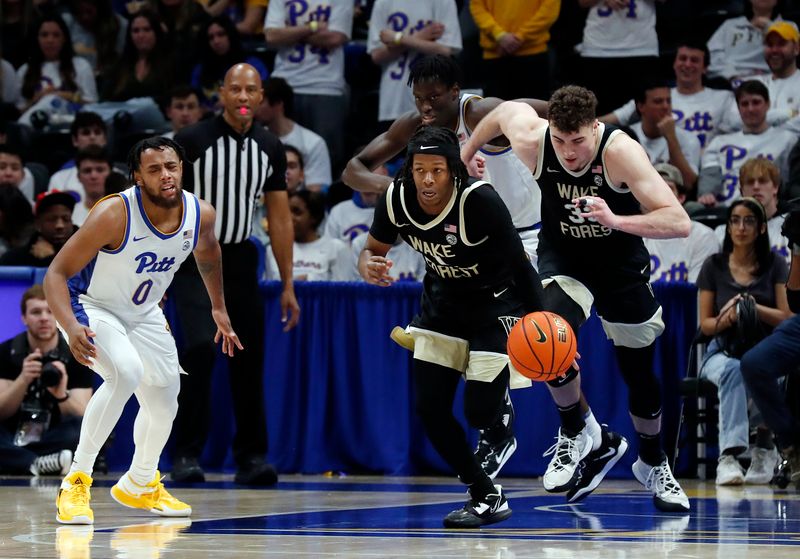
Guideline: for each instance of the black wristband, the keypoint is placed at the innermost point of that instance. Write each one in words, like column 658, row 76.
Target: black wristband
column 61, row 400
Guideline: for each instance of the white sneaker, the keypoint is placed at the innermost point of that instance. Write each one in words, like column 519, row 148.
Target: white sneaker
column 567, row 453
column 57, row 463
column 762, row 466
column 729, row 471
column 667, row 493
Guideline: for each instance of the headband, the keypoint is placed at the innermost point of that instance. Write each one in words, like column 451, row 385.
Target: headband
column 433, row 148
column 758, row 204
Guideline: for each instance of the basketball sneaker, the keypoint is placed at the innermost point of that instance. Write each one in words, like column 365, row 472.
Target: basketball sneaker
column 762, row 466
column 667, row 493
column 152, row 497
column 568, row 451
column 72, row 502
column 55, row 463
column 788, row 470
column 402, row 338
column 597, row 464
column 492, row 456
column 494, row 508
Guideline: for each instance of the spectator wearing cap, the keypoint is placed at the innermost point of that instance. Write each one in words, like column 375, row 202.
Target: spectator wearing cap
column 680, row 260
column 53, row 226
column 781, row 47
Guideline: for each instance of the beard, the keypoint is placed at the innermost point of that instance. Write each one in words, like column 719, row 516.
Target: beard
column 166, row 203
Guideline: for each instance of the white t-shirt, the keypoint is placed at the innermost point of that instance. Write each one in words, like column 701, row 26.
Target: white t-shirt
column 67, row 179
column 11, row 85
column 680, row 259
column 620, row 33
column 705, row 114
column 407, row 263
column 777, row 242
column 311, row 70
column 79, row 213
column 658, row 150
column 325, row 259
column 316, row 158
column 84, row 79
column 784, row 101
column 347, row 220
column 730, row 151
column 737, row 50
column 408, row 17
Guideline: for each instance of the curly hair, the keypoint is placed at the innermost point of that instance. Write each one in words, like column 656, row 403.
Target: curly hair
column 571, row 107
column 159, row 143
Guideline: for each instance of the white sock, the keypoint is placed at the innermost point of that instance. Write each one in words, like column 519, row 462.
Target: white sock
column 134, row 484
column 593, row 428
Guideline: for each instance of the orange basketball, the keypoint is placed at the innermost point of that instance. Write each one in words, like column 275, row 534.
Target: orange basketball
column 542, row 346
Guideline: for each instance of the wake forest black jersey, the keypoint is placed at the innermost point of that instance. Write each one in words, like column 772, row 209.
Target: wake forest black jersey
column 564, row 228
column 471, row 245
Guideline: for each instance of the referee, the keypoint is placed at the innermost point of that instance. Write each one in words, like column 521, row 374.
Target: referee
column 230, row 163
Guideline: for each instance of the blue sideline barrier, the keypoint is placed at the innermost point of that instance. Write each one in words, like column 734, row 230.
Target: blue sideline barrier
column 338, row 391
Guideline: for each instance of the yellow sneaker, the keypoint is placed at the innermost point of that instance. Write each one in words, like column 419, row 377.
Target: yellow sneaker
column 72, row 502
column 74, row 542
column 152, row 497
column 402, row 338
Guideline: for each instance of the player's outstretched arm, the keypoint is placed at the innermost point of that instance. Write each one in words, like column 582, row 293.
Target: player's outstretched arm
column 518, row 122
column 372, row 263
column 662, row 216
column 104, row 228
column 358, row 174
column 208, row 256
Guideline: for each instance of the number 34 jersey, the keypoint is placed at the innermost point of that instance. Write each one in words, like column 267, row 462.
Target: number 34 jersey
column 132, row 279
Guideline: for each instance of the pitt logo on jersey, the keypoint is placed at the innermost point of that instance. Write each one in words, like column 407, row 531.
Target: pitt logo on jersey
column 149, row 263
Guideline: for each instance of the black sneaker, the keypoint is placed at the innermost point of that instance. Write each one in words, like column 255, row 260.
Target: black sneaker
column 594, row 467
column 493, row 456
column 480, row 513
column 256, row 472
column 788, row 470
column 187, row 470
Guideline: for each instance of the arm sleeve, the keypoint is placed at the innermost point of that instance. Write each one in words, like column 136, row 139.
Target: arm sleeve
column 719, row 65
column 276, row 16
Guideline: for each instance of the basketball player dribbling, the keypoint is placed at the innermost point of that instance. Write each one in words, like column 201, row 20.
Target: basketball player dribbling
column 434, row 81
column 594, row 179
column 478, row 283
column 104, row 287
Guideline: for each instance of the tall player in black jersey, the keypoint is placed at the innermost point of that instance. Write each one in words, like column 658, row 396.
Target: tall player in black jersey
column 600, row 196
column 478, row 283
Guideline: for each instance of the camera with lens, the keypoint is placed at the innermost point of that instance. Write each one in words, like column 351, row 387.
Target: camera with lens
column 50, row 375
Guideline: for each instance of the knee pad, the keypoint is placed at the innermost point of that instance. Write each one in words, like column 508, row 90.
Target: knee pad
column 569, row 305
column 644, row 392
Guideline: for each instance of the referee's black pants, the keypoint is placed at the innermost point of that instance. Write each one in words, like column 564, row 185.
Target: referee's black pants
column 245, row 369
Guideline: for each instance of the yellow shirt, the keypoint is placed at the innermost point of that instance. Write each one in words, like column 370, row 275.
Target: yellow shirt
column 530, row 20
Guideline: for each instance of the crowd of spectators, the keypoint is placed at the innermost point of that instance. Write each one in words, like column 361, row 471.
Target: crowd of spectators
column 716, row 105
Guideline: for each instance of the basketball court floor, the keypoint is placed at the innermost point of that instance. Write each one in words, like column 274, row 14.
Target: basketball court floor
column 359, row 516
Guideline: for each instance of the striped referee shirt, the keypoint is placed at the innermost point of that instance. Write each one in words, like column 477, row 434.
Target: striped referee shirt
column 231, row 171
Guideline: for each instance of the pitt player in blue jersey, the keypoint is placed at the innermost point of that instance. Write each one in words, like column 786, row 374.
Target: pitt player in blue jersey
column 104, row 288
